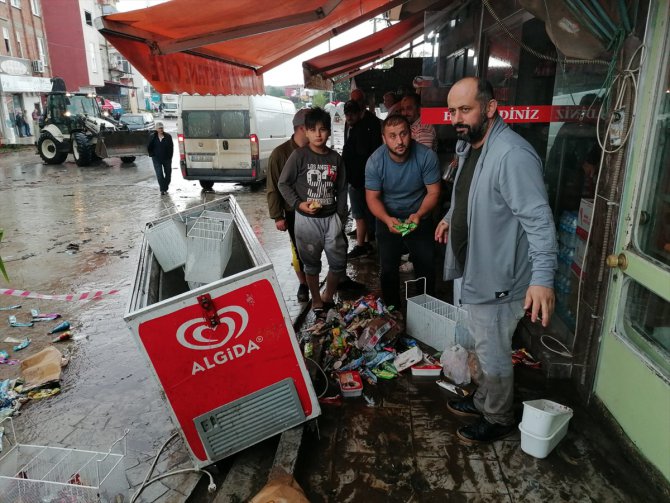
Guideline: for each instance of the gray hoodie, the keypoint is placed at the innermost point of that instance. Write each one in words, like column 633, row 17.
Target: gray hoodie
column 511, row 232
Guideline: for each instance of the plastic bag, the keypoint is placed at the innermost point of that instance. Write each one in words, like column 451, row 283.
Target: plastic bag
column 455, row 367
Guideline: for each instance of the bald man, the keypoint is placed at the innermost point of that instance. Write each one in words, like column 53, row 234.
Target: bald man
column 502, row 244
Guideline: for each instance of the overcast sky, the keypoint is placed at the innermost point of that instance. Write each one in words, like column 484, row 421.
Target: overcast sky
column 291, row 71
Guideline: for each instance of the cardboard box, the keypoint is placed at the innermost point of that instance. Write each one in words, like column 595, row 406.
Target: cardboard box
column 578, row 259
column 584, row 218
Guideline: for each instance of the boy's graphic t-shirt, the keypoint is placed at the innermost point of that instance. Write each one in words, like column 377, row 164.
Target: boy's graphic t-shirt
column 308, row 176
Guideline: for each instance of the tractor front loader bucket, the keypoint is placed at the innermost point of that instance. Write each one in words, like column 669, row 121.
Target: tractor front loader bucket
column 122, row 143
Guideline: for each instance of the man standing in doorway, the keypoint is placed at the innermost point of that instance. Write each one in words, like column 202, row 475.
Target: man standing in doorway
column 161, row 149
column 502, row 243
column 423, row 133
column 280, row 211
column 364, row 138
column 402, row 183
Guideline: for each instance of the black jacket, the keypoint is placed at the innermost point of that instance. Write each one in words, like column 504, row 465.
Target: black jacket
column 363, row 139
column 163, row 150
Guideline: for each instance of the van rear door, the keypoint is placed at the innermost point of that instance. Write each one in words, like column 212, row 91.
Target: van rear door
column 233, row 125
column 199, row 124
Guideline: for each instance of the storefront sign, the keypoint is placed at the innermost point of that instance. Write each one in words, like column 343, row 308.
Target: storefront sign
column 14, row 66
column 21, row 84
column 522, row 114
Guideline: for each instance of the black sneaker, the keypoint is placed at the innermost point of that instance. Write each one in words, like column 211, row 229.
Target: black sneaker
column 483, row 431
column 463, row 407
column 303, row 293
column 358, row 251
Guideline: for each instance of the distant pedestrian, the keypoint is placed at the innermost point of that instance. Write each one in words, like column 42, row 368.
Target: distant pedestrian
column 37, row 114
column 161, row 149
column 391, row 103
column 20, row 123
column 26, row 124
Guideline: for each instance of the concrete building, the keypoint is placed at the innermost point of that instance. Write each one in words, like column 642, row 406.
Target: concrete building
column 73, row 43
column 24, row 66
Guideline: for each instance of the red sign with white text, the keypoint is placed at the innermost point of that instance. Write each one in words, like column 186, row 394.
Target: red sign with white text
column 201, row 368
column 522, row 114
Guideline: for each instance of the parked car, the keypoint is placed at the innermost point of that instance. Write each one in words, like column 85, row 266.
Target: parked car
column 230, row 138
column 138, row 122
column 112, row 108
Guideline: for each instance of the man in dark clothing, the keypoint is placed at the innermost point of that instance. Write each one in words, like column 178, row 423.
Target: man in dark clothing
column 364, row 138
column 161, row 149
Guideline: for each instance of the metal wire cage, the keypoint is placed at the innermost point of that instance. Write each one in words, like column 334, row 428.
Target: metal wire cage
column 435, row 322
column 167, row 240
column 38, row 474
column 208, row 247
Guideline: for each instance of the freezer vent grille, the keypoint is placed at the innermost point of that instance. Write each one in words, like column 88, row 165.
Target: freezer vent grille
column 250, row 419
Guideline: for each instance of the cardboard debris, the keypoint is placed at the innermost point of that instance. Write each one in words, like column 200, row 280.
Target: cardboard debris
column 281, row 488
column 41, row 368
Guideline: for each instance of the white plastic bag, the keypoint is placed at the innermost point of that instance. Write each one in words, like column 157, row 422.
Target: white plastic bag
column 454, row 362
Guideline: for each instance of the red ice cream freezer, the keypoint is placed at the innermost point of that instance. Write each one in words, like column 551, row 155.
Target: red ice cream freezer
column 224, row 353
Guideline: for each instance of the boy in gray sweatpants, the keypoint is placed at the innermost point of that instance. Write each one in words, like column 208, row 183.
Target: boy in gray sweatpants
column 313, row 182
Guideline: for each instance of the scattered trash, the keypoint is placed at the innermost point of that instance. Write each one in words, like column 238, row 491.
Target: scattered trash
column 43, row 393
column 22, row 345
column 281, row 486
column 455, row 364
column 9, row 308
column 429, row 366
column 61, row 327
column 72, row 247
column 4, row 359
column 14, row 323
column 43, row 317
column 63, row 336
column 350, row 383
column 453, row 388
column 41, row 368
column 522, row 356
column 11, row 340
column 408, row 358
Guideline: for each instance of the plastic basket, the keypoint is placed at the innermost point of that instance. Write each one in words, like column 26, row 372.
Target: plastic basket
column 208, row 248
column 35, row 473
column 539, row 446
column 543, row 417
column 435, row 322
column 167, row 240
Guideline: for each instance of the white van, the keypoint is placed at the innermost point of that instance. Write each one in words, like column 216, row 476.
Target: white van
column 230, row 138
column 170, row 105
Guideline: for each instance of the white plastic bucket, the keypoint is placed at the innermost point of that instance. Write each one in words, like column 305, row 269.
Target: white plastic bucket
column 542, row 418
column 540, row 447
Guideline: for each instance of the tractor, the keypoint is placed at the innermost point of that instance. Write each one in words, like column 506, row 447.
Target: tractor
column 75, row 123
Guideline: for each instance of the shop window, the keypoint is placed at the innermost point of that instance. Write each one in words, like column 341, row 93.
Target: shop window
column 653, row 231
column 88, row 18
column 5, row 35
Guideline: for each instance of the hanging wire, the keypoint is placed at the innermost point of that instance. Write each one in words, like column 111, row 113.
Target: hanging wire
column 539, row 54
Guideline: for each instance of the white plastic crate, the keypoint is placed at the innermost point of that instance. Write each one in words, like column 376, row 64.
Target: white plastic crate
column 208, row 248
column 36, row 473
column 543, row 417
column 435, row 322
column 539, row 446
column 167, row 240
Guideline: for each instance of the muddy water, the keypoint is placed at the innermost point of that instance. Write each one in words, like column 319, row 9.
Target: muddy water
column 71, row 230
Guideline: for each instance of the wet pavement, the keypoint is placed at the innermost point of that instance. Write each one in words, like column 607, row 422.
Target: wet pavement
column 70, row 230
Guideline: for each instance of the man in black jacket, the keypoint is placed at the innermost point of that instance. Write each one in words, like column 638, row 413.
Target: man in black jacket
column 161, row 150
column 364, row 138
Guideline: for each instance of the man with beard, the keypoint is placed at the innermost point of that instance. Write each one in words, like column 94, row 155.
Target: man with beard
column 402, row 184
column 502, row 244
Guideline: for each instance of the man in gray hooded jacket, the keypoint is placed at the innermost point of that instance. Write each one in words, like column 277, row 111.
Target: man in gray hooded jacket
column 501, row 243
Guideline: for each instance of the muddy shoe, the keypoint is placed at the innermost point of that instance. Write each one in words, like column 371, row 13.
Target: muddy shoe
column 303, row 293
column 464, row 407
column 483, row 431
column 358, row 251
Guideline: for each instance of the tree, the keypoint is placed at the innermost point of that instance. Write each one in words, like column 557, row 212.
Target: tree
column 319, row 99
column 341, row 90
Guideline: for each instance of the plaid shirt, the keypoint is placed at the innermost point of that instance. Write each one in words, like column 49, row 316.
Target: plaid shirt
column 424, row 134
